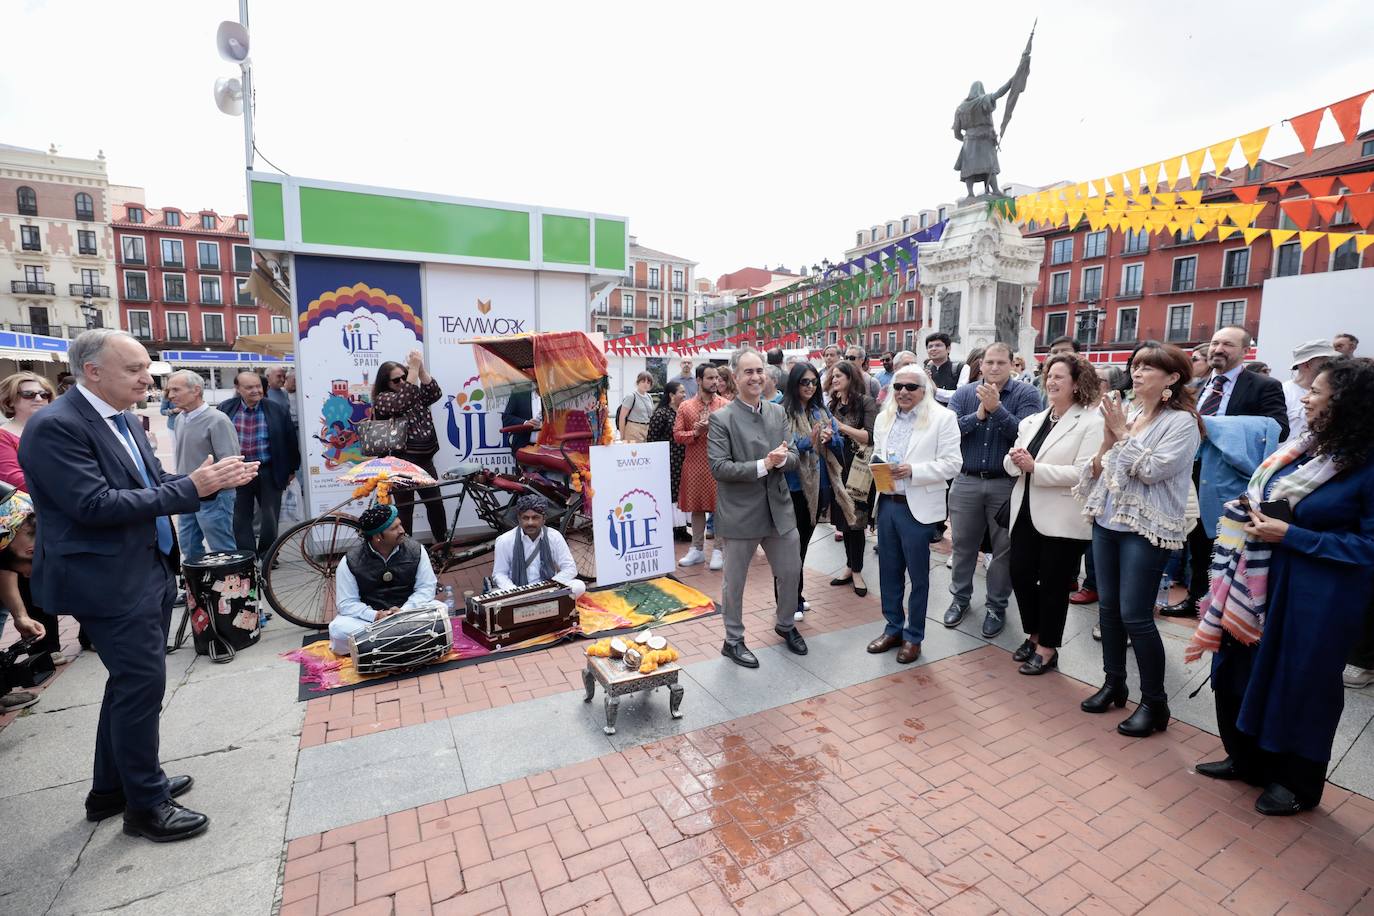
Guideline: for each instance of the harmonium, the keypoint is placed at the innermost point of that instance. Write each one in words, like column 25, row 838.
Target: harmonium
column 510, row 615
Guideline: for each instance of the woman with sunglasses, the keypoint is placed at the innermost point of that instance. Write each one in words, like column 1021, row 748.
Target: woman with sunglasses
column 21, row 396
column 406, row 392
column 814, row 432
column 854, row 412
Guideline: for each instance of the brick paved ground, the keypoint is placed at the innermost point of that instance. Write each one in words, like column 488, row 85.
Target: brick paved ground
column 956, row 787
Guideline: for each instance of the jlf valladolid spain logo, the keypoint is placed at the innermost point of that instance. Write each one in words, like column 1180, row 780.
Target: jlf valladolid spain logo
column 634, row 531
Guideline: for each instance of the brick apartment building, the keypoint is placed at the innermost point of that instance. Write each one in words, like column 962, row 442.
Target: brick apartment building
column 658, row 289
column 182, row 278
column 1111, row 289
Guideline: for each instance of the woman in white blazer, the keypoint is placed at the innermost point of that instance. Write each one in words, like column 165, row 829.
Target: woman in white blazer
column 1048, row 528
column 919, row 440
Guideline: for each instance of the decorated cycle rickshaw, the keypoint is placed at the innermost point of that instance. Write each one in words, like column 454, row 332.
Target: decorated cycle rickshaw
column 568, row 373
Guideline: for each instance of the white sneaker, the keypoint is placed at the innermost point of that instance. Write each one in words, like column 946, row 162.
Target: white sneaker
column 1357, row 677
column 987, row 561
column 798, row 615
column 693, row 557
column 949, row 561
column 717, row 559
column 806, row 605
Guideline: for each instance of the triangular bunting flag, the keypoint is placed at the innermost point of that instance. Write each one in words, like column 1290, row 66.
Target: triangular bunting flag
column 1362, row 242
column 1347, row 115
column 1282, row 186
column 1195, row 164
column 1251, row 144
column 1221, row 152
column 1171, row 170
column 1252, row 234
column 1279, row 236
column 1299, row 211
column 1100, row 185
column 1190, row 198
column 1239, row 214
column 1361, row 208
column 1118, row 183
column 1319, row 186
column 1307, row 238
column 1359, row 182
column 1225, row 232
column 1327, row 206
column 1247, row 193
column 1306, row 127
column 1335, row 240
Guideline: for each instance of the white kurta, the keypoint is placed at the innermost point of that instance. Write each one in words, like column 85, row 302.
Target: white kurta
column 355, row 614
column 558, row 551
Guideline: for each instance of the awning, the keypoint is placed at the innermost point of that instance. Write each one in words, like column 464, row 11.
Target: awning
column 272, row 344
column 158, row 367
column 32, row 356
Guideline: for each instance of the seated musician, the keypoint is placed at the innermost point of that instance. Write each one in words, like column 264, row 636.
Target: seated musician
column 533, row 552
column 386, row 574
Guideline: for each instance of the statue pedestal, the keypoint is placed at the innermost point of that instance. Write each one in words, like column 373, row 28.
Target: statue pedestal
column 977, row 281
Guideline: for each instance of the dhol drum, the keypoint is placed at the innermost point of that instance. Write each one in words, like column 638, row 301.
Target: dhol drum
column 222, row 599
column 405, row 640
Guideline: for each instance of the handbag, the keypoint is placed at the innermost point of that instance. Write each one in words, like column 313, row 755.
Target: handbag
column 379, row 438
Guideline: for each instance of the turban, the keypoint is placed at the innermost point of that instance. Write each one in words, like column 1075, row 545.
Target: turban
column 532, row 502
column 13, row 513
column 377, row 518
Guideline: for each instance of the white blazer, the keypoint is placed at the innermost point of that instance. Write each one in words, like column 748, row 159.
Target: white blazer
column 1072, row 443
column 935, row 456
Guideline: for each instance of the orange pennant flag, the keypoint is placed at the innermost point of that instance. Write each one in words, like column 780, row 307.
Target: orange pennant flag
column 1195, row 164
column 1361, row 208
column 1307, row 238
column 1299, row 211
column 1319, row 186
column 1221, row 152
column 1279, row 236
column 1251, row 144
column 1306, row 127
column 1327, row 206
column 1171, row 170
column 1247, row 193
column 1252, row 234
column 1359, row 182
column 1347, row 115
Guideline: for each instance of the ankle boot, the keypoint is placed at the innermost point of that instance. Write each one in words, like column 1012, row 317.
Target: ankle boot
column 1149, row 717
column 1106, row 695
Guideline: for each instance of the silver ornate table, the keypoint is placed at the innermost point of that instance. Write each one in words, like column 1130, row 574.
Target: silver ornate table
column 617, row 680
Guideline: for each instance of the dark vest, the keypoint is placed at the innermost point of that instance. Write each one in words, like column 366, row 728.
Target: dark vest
column 947, row 376
column 368, row 569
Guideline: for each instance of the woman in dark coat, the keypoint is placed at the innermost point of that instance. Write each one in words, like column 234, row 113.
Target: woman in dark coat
column 407, row 391
column 661, row 428
column 854, row 412
column 1279, row 702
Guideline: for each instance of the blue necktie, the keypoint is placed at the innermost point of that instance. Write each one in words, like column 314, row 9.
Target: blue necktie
column 164, row 527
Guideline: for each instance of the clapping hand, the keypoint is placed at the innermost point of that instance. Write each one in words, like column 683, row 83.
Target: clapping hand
column 225, row 474
column 817, row 432
column 1022, row 459
column 1113, row 418
column 989, row 398
column 777, row 457
column 415, row 359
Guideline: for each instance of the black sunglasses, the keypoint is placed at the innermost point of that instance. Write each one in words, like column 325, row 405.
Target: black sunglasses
column 907, row 386
column 31, row 395
column 854, row 358
column 808, row 382
column 396, row 378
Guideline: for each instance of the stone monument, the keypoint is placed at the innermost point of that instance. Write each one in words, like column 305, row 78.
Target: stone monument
column 978, row 279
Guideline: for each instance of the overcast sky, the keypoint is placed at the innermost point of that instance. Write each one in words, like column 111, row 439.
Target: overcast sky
column 730, row 133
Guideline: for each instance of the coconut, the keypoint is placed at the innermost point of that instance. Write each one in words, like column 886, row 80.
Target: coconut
column 657, row 643
column 633, row 658
column 644, row 636
column 618, row 647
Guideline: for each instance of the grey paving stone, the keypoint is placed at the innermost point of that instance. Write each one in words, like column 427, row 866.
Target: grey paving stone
column 233, row 709
column 644, row 717
column 54, row 829
column 245, row 792
column 841, row 659
column 1355, row 771
column 249, row 890
column 497, row 745
column 376, row 752
column 48, row 749
column 743, row 691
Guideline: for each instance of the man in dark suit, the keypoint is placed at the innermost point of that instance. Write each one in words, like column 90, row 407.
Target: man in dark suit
column 519, row 409
column 267, row 437
column 106, row 555
column 1227, row 391
column 749, row 447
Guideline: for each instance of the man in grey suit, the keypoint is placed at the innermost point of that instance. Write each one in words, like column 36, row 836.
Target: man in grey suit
column 749, row 448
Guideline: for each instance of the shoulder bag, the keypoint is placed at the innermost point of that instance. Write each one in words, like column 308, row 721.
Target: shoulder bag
column 379, row 438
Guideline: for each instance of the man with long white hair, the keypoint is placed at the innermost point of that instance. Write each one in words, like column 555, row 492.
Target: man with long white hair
column 918, row 440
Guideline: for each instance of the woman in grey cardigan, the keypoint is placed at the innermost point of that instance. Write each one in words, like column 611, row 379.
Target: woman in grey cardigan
column 1136, row 490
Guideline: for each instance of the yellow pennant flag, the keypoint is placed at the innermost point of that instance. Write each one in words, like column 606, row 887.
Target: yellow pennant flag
column 1190, row 198
column 1080, row 190
column 1151, row 175
column 1114, row 223
column 1221, row 152
column 1096, row 221
column 1337, row 239
column 1225, row 232
column 1198, row 231
column 1251, row 144
column 1252, row 234
column 1100, row 185
column 1195, row 164
column 1095, row 204
column 1167, row 199
column 1256, row 209
column 1118, row 184
column 1239, row 214
column 1363, row 241
column 1279, row 236
column 1075, row 211
column 1307, row 238
column 1171, row 167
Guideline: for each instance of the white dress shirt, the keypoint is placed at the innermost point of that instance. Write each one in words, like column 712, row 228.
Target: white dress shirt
column 351, row 605
column 558, row 551
column 109, row 413
column 1293, row 393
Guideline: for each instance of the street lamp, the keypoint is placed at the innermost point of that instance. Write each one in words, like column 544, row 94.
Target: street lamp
column 89, row 312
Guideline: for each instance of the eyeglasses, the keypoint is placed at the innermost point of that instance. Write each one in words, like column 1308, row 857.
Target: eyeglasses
column 396, row 378
column 854, row 357
column 808, row 383
column 31, row 395
column 907, row 386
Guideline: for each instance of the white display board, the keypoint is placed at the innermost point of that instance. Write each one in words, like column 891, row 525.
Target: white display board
column 633, row 515
column 1311, row 306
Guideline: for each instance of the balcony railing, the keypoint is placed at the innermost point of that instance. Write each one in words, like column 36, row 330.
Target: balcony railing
column 1208, row 282
column 679, row 287
column 141, row 333
column 174, row 263
column 179, row 338
column 211, row 300
column 1090, row 295
column 133, row 259
column 209, row 266
column 136, row 295
column 46, row 330
column 179, row 298
column 30, row 288
column 1130, row 294
column 95, row 292
column 214, row 338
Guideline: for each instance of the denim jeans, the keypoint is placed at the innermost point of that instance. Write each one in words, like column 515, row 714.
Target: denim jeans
column 903, row 549
column 1128, row 569
column 210, row 530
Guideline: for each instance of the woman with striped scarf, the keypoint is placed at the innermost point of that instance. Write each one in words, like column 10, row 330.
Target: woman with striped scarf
column 1287, row 597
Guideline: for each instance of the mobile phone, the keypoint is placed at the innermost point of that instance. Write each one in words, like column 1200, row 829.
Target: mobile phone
column 1280, row 509
column 146, row 425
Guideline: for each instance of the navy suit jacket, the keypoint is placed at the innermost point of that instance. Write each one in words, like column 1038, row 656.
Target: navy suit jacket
column 1257, row 395
column 97, row 532
column 282, row 446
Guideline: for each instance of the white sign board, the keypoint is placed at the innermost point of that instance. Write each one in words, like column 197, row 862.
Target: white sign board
column 1314, row 306
column 632, row 515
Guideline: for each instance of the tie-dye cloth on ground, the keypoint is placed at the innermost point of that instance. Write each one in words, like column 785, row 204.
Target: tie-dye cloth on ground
column 600, row 613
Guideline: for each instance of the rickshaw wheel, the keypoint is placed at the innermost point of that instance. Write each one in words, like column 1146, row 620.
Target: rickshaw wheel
column 298, row 572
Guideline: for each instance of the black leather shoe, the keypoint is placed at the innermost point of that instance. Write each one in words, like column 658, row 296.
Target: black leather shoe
column 993, row 624
column 739, row 654
column 792, row 639
column 1185, row 608
column 1276, row 801
column 847, row 580
column 1036, row 664
column 1149, row 717
column 1218, row 769
column 954, row 615
column 861, row 592
column 1023, row 652
column 100, row 805
column 166, row 823
column 1107, row 695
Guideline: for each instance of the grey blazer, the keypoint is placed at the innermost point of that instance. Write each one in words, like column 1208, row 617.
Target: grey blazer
column 747, row 505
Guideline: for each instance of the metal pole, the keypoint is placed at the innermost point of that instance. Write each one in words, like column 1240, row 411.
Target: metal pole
column 246, row 71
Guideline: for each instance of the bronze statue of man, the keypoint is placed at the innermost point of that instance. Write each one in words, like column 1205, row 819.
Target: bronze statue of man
column 973, row 125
